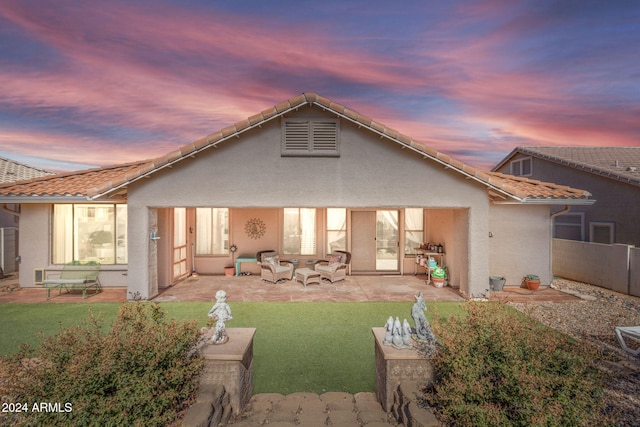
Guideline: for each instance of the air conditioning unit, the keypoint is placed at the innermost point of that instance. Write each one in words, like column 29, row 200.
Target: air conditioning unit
column 38, row 276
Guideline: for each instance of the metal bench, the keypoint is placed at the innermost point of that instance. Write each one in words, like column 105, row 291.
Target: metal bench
column 74, row 276
column 630, row 331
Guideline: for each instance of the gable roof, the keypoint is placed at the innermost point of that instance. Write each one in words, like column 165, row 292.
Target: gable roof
column 101, row 183
column 619, row 163
column 11, row 171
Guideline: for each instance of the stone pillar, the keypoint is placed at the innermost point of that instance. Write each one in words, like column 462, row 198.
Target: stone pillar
column 395, row 366
column 231, row 364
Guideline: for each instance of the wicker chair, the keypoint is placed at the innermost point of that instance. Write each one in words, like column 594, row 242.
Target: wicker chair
column 334, row 269
column 272, row 269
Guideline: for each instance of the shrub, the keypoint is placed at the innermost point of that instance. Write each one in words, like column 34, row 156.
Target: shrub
column 497, row 367
column 141, row 372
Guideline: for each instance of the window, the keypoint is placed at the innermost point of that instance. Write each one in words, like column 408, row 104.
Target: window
column 336, row 229
column 569, row 226
column 299, row 231
column 212, row 231
column 522, row 167
column 413, row 229
column 601, row 232
column 310, row 138
column 89, row 232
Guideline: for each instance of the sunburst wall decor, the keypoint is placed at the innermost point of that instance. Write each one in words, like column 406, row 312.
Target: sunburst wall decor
column 255, row 228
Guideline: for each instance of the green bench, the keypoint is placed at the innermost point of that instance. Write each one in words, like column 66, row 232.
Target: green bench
column 74, row 276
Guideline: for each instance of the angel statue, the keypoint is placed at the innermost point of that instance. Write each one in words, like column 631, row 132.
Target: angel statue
column 220, row 312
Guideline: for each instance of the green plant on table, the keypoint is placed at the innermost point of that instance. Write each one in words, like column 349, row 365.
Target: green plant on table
column 531, row 277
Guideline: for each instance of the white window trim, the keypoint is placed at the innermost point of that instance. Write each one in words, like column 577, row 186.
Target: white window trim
column 608, row 224
column 521, row 161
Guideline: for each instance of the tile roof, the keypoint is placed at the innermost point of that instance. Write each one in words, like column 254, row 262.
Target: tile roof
column 11, row 171
column 71, row 184
column 619, row 163
column 99, row 183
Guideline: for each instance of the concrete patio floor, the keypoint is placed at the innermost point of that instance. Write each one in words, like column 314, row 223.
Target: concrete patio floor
column 251, row 288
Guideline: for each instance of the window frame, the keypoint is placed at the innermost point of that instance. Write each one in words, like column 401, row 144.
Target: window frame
column 520, row 162
column 71, row 245
column 604, row 224
column 299, row 233
column 412, row 251
column 328, row 230
column 225, row 235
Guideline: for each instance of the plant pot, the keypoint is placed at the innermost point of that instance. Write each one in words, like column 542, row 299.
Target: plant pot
column 496, row 283
column 438, row 283
column 229, row 271
column 532, row 285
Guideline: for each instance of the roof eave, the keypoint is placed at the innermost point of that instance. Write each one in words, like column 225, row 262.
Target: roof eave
column 44, row 199
column 546, row 201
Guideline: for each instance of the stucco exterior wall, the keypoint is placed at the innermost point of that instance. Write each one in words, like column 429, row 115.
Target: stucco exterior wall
column 249, row 172
column 520, row 243
column 616, row 201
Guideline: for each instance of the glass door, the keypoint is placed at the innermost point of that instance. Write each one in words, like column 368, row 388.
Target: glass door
column 387, row 241
column 179, row 243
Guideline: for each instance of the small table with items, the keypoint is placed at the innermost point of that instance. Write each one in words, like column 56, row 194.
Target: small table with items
column 307, row 276
column 241, row 260
column 425, row 255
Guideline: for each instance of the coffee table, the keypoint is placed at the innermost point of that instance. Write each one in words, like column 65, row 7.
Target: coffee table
column 307, row 276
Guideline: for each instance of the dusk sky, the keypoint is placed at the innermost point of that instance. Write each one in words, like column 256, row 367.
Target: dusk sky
column 86, row 83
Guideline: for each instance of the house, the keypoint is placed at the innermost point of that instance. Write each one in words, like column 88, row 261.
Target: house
column 11, row 171
column 304, row 177
column 610, row 174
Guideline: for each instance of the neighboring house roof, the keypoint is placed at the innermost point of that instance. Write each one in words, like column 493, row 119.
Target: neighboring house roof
column 104, row 182
column 619, row 163
column 69, row 185
column 11, row 171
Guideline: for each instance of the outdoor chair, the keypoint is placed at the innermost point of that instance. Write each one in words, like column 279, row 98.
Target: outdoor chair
column 335, row 268
column 272, row 269
column 631, row 331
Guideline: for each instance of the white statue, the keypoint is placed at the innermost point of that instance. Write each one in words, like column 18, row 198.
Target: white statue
column 220, row 312
column 406, row 333
column 396, row 339
column 389, row 327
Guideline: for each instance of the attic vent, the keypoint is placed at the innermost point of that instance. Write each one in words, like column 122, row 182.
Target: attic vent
column 310, row 138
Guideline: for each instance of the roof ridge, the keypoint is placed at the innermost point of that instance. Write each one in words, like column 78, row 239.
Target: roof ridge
column 113, row 182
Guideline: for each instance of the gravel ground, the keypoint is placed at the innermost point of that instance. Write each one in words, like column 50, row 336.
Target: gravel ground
column 592, row 319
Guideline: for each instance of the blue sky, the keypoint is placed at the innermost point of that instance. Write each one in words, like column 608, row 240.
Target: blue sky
column 93, row 83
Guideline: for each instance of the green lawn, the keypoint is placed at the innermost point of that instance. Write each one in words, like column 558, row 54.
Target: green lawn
column 314, row 347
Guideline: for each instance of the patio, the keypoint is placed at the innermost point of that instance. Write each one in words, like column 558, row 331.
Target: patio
column 251, row 288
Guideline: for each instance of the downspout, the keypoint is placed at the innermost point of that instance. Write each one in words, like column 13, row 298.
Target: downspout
column 566, row 209
column 563, row 211
column 11, row 211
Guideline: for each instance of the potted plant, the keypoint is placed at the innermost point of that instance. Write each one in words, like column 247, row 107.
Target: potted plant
column 532, row 281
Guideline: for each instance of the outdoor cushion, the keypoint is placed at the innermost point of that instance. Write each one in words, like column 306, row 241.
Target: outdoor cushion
column 327, row 268
column 282, row 268
column 272, row 260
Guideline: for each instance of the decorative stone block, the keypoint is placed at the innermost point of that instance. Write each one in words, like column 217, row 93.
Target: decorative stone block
column 394, row 366
column 231, row 364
